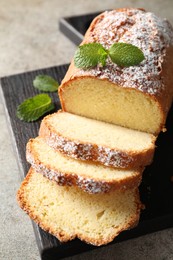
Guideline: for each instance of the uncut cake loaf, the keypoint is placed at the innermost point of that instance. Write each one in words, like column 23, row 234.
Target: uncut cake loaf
column 137, row 97
column 67, row 212
column 92, row 178
column 92, row 140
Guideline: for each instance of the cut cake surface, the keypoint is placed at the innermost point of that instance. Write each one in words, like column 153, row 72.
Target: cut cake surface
column 67, row 212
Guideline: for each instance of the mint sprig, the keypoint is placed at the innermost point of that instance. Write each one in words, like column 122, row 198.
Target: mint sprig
column 89, row 55
column 123, row 54
column 45, row 83
column 33, row 108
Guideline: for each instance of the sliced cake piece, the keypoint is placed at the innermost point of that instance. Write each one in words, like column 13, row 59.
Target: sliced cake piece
column 93, row 178
column 87, row 139
column 67, row 212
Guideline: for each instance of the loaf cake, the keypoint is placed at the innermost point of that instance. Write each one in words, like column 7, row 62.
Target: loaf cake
column 87, row 162
column 136, row 97
column 90, row 177
column 67, row 212
column 92, row 140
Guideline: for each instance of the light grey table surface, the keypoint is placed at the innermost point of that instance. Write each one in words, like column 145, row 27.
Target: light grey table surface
column 30, row 39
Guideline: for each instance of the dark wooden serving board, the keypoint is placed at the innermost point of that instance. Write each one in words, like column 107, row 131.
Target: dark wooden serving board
column 74, row 27
column 156, row 189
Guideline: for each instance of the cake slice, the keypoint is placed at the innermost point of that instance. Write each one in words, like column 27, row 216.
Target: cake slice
column 137, row 97
column 92, row 140
column 67, row 212
column 92, row 178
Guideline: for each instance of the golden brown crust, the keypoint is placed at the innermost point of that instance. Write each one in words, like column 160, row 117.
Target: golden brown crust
column 161, row 90
column 27, row 208
column 88, row 184
column 61, row 234
column 92, row 152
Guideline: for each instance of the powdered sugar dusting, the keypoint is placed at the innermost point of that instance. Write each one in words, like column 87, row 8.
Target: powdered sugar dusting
column 110, row 157
column 142, row 29
column 90, row 152
column 83, row 181
column 92, row 186
column 86, row 184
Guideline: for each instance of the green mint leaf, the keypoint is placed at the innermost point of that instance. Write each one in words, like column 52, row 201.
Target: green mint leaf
column 33, row 108
column 125, row 55
column 45, row 83
column 89, row 55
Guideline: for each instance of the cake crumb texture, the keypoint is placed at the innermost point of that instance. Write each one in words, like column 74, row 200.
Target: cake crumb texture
column 68, row 212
